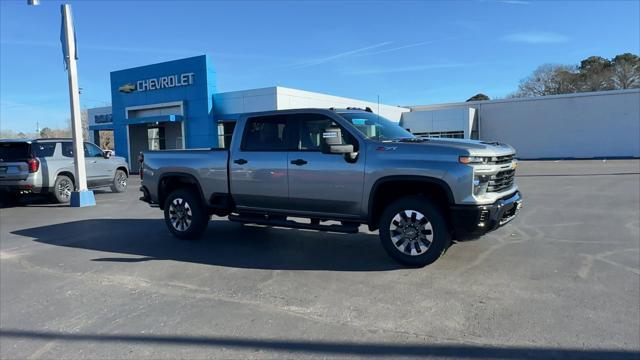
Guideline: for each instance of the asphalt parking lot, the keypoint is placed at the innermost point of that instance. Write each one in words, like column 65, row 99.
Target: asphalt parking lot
column 561, row 281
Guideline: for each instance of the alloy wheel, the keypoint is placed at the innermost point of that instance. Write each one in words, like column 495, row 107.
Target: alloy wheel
column 180, row 214
column 411, row 232
column 65, row 187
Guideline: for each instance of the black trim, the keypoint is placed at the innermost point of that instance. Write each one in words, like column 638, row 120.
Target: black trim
column 466, row 219
column 313, row 225
column 178, row 175
column 418, row 178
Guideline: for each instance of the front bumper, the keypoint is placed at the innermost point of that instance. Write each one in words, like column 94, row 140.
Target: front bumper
column 473, row 221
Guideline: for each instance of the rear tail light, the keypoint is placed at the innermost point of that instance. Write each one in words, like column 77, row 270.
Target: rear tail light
column 34, row 165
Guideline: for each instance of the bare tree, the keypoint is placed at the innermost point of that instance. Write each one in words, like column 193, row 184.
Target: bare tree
column 548, row 79
column 626, row 71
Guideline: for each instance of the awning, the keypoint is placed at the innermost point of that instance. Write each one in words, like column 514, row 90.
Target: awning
column 154, row 119
column 101, row 127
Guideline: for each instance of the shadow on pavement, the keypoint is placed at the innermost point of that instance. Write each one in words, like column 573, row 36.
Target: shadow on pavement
column 224, row 244
column 307, row 347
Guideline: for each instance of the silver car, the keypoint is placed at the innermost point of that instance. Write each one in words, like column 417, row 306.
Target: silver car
column 46, row 166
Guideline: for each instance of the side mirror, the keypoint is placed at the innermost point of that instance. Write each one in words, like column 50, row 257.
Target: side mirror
column 107, row 154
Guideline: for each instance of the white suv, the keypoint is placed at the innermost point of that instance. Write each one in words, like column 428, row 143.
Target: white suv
column 46, row 166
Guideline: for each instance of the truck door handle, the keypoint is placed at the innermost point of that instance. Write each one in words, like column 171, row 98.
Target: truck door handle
column 298, row 162
column 240, row 161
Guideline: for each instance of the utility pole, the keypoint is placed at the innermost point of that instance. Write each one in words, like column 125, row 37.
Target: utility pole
column 81, row 197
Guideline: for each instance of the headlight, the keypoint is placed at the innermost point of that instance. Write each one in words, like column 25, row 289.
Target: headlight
column 473, row 160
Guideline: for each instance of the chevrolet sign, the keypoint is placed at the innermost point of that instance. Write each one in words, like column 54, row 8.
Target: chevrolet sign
column 163, row 82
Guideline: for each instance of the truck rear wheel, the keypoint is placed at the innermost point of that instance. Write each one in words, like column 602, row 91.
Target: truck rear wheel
column 413, row 231
column 185, row 215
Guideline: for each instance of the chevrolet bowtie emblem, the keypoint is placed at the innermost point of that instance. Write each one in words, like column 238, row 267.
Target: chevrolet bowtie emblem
column 127, row 88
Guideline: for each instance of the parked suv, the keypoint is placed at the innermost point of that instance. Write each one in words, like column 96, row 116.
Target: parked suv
column 344, row 165
column 46, row 166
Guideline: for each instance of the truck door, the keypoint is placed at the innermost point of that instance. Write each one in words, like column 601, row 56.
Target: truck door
column 96, row 165
column 258, row 167
column 319, row 182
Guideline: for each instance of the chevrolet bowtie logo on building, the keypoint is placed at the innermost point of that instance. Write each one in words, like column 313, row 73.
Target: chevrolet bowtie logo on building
column 127, row 88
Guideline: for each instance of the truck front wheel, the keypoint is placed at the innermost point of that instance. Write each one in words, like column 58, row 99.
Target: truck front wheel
column 185, row 215
column 413, row 231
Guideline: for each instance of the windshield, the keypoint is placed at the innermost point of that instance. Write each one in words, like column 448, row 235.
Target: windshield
column 376, row 127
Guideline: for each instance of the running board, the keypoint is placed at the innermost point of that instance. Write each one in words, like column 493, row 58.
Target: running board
column 293, row 224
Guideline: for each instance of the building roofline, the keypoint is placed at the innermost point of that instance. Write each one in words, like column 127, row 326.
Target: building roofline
column 534, row 98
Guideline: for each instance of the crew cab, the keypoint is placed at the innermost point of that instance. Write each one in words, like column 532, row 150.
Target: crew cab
column 334, row 170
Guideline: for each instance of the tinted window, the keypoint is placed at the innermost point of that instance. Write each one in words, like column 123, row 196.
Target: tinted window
column 376, row 127
column 311, row 128
column 43, row 149
column 14, row 151
column 67, row 149
column 266, row 133
column 90, row 150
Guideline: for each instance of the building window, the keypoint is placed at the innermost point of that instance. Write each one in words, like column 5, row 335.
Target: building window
column 441, row 134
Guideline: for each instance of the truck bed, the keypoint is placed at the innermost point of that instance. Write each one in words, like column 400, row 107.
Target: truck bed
column 207, row 166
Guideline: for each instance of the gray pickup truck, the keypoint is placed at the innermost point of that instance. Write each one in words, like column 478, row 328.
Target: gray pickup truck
column 333, row 170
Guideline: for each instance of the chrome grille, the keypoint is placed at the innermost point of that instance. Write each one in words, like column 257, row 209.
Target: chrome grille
column 501, row 181
column 504, row 159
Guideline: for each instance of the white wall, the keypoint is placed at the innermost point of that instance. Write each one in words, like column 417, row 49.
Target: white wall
column 295, row 99
column 280, row 98
column 585, row 125
column 244, row 101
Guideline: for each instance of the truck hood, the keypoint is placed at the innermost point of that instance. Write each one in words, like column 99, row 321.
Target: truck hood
column 466, row 146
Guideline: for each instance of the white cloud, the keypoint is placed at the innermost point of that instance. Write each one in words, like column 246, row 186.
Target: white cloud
column 411, row 68
column 326, row 59
column 536, row 37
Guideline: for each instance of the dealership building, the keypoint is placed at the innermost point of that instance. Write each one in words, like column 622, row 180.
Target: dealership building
column 174, row 105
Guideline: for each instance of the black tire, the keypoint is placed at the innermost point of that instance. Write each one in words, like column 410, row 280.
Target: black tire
column 185, row 215
column 62, row 188
column 402, row 221
column 119, row 184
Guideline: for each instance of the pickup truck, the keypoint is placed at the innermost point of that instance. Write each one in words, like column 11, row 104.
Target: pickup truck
column 334, row 170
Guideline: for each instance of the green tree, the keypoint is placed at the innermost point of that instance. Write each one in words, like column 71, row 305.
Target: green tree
column 478, row 97
column 595, row 74
column 46, row 132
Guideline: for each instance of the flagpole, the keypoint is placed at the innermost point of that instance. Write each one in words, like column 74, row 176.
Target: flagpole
column 81, row 196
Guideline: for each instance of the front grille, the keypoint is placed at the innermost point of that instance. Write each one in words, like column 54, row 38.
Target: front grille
column 504, row 159
column 501, row 181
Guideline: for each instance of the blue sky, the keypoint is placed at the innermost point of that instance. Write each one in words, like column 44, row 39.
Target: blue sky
column 408, row 53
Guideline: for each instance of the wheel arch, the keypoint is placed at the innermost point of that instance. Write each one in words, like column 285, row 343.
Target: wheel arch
column 68, row 174
column 169, row 182
column 123, row 168
column 387, row 189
